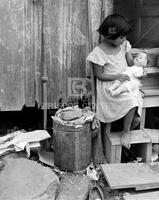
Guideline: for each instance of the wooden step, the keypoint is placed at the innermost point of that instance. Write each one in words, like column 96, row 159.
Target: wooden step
column 113, row 147
column 150, row 96
column 151, row 91
column 153, row 134
column 137, row 136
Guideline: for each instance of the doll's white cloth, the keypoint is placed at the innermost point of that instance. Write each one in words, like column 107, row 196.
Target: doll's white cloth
column 134, row 73
column 133, row 85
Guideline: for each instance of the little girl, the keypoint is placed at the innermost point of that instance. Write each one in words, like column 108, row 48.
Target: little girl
column 111, row 58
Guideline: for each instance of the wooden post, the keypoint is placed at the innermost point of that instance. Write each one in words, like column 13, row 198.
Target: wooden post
column 108, row 7
column 90, row 48
column 44, row 76
column 143, row 116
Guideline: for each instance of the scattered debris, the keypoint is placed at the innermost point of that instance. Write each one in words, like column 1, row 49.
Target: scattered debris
column 17, row 141
column 46, row 157
column 154, row 156
column 155, row 148
column 139, row 159
column 92, row 173
column 96, row 193
column 58, row 172
column 74, row 187
column 32, row 146
column 95, row 123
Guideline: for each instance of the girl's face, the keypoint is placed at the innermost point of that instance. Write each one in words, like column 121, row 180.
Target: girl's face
column 118, row 41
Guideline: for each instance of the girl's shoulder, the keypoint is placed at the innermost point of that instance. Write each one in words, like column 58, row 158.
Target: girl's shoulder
column 125, row 46
column 98, row 49
column 102, row 55
column 97, row 56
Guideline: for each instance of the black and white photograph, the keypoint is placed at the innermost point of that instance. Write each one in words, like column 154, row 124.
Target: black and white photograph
column 79, row 99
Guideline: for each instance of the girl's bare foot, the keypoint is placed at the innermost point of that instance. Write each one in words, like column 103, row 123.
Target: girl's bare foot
column 126, row 139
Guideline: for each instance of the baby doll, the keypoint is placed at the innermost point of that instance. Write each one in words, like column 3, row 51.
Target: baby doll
column 134, row 72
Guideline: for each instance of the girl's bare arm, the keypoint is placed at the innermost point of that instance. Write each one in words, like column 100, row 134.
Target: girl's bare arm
column 129, row 58
column 99, row 73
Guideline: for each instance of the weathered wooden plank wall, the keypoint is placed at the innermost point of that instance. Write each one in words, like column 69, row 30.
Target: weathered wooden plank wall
column 20, row 53
column 99, row 9
column 65, row 45
column 32, row 45
column 61, row 46
column 144, row 17
column 11, row 62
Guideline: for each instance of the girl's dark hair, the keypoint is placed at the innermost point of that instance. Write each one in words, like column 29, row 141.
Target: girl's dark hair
column 113, row 26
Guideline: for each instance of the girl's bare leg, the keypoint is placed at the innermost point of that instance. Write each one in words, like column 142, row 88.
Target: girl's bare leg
column 136, row 121
column 125, row 139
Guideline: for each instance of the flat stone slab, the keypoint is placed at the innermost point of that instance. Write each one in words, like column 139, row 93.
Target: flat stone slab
column 74, row 187
column 26, row 179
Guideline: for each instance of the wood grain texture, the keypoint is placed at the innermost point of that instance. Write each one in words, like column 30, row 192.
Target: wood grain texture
column 11, row 61
column 65, row 32
column 32, row 21
column 154, row 195
column 144, row 18
column 136, row 137
column 20, row 54
column 62, row 50
column 153, row 134
column 98, row 10
column 131, row 175
column 113, row 147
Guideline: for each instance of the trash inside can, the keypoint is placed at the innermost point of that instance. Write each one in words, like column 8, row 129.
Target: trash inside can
column 72, row 150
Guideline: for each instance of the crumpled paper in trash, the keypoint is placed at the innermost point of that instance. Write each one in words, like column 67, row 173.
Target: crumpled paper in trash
column 73, row 116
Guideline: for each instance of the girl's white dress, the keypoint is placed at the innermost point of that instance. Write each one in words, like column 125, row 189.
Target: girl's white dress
column 109, row 108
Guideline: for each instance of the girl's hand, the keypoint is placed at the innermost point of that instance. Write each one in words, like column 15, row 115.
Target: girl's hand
column 144, row 72
column 123, row 77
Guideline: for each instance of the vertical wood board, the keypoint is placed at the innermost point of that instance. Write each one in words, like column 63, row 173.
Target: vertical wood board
column 20, row 54
column 11, row 55
column 144, row 18
column 65, row 30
